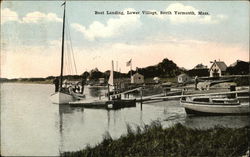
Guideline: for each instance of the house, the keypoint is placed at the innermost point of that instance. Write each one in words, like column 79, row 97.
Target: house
column 156, row 79
column 101, row 80
column 137, row 78
column 183, row 78
column 217, row 69
column 199, row 70
column 239, row 68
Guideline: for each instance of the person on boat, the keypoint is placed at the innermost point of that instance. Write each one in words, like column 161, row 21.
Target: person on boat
column 65, row 83
column 71, row 89
column 196, row 82
column 56, row 83
column 79, row 87
column 75, row 88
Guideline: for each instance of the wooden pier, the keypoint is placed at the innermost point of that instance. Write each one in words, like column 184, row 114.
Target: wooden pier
column 106, row 104
column 122, row 100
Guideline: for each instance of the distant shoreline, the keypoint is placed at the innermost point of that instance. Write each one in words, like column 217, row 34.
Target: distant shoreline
column 28, row 82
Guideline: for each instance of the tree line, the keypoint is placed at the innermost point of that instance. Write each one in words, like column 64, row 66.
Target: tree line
column 165, row 69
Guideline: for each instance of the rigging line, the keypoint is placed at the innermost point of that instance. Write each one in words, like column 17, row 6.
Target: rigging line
column 66, row 64
column 71, row 47
column 69, row 64
column 68, row 59
column 68, row 55
column 72, row 54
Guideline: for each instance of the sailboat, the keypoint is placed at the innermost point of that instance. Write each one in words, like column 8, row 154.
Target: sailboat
column 63, row 96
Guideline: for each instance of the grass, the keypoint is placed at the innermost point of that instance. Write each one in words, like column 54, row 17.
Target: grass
column 178, row 140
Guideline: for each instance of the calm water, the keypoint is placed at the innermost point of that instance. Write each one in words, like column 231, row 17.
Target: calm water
column 32, row 125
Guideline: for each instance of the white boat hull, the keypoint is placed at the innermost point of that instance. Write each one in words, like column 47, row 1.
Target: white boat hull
column 203, row 109
column 61, row 98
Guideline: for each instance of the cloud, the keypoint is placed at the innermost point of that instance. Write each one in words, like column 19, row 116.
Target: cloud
column 179, row 19
column 8, row 15
column 36, row 17
column 113, row 27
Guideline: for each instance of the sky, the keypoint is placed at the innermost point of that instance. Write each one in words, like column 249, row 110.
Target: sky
column 31, row 33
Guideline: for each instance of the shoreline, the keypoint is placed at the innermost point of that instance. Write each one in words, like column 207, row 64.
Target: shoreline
column 29, row 82
column 178, row 140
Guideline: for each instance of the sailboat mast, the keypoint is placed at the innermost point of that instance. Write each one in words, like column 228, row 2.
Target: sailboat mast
column 62, row 55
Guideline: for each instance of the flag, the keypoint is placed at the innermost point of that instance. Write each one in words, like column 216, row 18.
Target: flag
column 63, row 3
column 129, row 62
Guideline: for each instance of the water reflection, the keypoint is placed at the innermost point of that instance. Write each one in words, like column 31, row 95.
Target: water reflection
column 96, row 92
column 79, row 127
column 204, row 122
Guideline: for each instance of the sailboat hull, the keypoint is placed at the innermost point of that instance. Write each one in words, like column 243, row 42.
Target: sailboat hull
column 61, row 98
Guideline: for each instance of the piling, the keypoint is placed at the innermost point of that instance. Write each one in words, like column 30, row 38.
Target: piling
column 108, row 93
column 141, row 96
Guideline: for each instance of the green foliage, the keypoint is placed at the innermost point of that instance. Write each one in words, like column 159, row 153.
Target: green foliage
column 178, row 140
column 166, row 68
column 85, row 75
column 241, row 68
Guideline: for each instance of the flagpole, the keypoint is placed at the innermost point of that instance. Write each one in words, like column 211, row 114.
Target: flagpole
column 131, row 69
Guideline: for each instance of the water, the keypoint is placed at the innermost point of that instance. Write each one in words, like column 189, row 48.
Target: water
column 32, row 125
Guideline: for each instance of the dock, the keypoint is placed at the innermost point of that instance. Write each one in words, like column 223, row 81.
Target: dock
column 105, row 104
column 115, row 101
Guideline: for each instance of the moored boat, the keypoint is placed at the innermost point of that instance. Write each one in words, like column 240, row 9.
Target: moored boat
column 61, row 98
column 66, row 94
column 214, row 105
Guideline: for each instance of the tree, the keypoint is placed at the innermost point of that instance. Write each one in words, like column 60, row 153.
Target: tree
column 85, row 75
column 96, row 74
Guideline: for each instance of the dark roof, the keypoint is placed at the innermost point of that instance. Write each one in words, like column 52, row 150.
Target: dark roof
column 238, row 61
column 200, row 66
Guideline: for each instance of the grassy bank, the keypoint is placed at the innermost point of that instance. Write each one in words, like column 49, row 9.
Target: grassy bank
column 178, row 140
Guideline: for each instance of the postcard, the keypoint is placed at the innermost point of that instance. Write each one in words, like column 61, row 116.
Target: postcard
column 121, row 78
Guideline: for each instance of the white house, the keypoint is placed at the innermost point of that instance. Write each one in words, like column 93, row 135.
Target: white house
column 101, row 80
column 217, row 69
column 183, row 78
column 156, row 79
column 137, row 78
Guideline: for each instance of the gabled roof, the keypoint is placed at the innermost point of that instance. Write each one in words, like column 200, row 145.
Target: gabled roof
column 137, row 74
column 220, row 64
